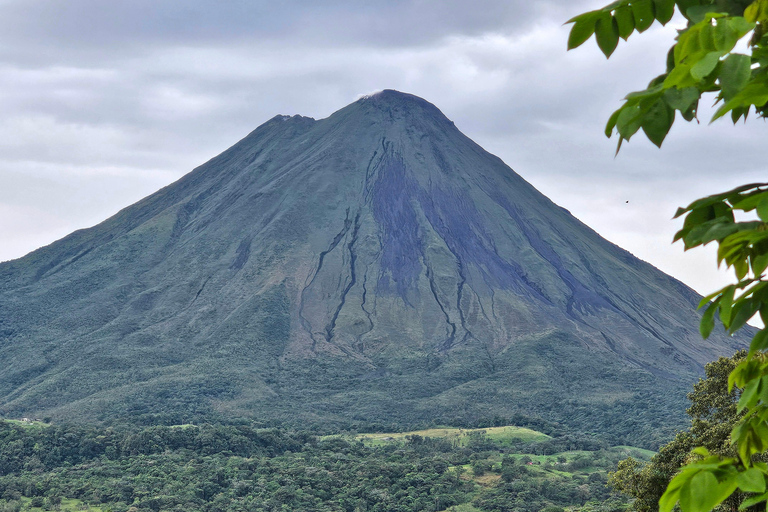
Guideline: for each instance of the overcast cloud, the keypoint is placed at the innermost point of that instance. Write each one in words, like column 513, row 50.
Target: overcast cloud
column 104, row 102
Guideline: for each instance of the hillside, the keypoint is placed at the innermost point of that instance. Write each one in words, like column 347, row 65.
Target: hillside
column 373, row 269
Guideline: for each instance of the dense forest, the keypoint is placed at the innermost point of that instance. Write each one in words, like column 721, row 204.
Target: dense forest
column 217, row 468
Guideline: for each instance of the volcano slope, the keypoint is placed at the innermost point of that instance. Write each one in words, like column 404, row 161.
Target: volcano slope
column 376, row 267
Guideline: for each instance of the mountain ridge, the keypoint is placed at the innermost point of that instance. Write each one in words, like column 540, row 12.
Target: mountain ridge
column 374, row 264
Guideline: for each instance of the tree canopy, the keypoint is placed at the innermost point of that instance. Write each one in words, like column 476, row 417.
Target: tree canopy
column 704, row 60
column 713, row 413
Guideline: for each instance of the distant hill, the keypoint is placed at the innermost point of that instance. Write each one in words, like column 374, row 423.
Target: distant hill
column 373, row 269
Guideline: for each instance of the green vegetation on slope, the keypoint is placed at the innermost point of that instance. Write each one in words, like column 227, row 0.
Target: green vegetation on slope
column 241, row 468
column 459, row 436
column 429, row 285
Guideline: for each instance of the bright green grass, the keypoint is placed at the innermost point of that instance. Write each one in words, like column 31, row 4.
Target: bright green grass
column 28, row 424
column 67, row 505
column 461, row 436
column 542, row 459
column 464, row 507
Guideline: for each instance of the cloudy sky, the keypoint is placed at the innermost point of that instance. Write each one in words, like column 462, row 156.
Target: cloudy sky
column 103, row 103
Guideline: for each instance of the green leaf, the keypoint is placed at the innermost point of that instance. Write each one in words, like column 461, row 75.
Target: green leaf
column 714, row 198
column 701, row 450
column 735, row 377
column 708, row 321
column 754, row 500
column 750, row 437
column 703, row 492
column 738, row 112
column 607, row 34
column 684, row 5
column 740, row 266
column 680, row 77
column 726, row 303
column 759, row 342
column 749, row 395
column 723, row 38
column 705, row 65
column 657, row 122
column 611, row 124
column 754, row 93
column 665, row 9
column 672, row 494
column 762, row 209
column 718, row 230
column 751, row 480
column 629, row 120
column 734, row 74
column 681, row 99
column 583, row 28
column 728, row 31
column 651, row 93
column 757, row 11
column 740, row 25
column 625, row 21
column 759, row 263
column 748, row 202
column 690, row 114
column 707, row 38
column 642, row 10
column 698, row 13
column 752, row 11
column 701, row 219
column 668, row 500
column 742, row 312
column 706, row 300
column 614, row 5
column 689, row 43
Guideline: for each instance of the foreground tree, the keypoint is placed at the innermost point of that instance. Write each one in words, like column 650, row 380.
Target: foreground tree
column 713, row 413
column 703, row 61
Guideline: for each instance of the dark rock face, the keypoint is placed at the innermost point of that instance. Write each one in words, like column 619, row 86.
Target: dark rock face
column 376, row 266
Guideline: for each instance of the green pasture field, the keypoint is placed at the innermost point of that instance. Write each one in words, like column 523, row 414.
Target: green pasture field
column 461, row 436
column 27, row 424
column 66, row 505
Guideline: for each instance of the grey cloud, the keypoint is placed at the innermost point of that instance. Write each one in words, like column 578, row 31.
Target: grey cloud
column 121, row 26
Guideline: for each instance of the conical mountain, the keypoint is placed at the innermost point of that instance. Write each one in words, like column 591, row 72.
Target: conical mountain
column 374, row 267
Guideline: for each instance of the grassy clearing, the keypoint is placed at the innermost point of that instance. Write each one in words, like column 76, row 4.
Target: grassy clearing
column 487, row 480
column 27, row 424
column 638, row 453
column 465, row 507
column 459, row 436
column 67, row 505
column 543, row 459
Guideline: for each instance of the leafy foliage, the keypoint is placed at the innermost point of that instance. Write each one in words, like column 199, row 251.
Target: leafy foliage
column 713, row 413
column 703, row 61
column 223, row 468
column 743, row 246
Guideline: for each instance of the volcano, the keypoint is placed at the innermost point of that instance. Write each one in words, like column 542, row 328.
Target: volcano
column 374, row 268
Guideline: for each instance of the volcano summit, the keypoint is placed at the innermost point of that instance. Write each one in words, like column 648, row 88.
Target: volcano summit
column 374, row 267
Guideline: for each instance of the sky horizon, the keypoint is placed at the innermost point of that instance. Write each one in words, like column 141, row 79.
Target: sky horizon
column 105, row 104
